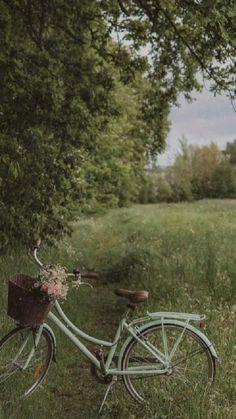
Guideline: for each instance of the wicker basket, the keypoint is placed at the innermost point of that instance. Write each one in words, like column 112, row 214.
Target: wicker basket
column 23, row 304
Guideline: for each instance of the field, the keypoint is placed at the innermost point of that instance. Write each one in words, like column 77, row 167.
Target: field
column 185, row 255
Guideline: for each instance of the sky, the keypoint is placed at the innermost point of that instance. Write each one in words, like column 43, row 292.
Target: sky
column 207, row 119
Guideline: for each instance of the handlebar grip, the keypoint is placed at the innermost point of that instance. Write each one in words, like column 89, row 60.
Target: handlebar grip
column 89, row 275
column 86, row 274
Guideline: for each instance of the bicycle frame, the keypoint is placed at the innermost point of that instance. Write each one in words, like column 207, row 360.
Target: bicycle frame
column 65, row 324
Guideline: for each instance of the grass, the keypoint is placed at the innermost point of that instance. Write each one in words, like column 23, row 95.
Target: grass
column 184, row 254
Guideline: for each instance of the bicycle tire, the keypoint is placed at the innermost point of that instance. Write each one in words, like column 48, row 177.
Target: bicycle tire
column 17, row 383
column 160, row 387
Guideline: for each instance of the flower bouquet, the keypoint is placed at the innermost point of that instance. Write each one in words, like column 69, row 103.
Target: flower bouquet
column 51, row 283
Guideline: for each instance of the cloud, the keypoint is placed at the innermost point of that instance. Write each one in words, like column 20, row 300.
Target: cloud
column 205, row 120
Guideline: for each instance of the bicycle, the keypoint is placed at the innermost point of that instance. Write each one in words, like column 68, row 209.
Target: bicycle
column 160, row 349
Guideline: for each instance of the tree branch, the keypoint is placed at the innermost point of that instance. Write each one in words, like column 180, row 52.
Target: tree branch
column 122, row 7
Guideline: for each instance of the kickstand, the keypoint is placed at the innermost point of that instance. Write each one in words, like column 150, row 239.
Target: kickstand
column 109, row 388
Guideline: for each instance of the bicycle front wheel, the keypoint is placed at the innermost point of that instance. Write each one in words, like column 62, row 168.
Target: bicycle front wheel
column 21, row 370
column 191, row 365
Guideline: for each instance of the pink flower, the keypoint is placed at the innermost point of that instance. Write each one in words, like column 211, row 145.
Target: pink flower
column 53, row 283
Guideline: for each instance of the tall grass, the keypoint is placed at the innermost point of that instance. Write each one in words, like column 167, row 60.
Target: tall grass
column 184, row 254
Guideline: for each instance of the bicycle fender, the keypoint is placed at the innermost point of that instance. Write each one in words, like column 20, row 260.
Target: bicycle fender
column 50, row 331
column 189, row 327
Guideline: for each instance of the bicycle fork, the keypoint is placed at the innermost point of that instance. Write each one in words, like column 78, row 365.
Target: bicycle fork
column 36, row 339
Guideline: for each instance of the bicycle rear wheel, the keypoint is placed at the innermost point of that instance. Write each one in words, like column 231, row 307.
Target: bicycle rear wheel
column 16, row 381
column 192, row 366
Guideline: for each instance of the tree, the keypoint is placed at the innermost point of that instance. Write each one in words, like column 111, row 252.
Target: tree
column 198, row 172
column 183, row 37
column 224, row 180
column 205, row 161
column 55, row 99
column 66, row 137
column 114, row 174
column 230, row 152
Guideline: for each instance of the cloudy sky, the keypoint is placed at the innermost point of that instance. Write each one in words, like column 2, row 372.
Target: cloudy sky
column 208, row 119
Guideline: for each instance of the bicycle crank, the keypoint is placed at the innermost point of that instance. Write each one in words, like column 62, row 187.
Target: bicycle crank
column 99, row 374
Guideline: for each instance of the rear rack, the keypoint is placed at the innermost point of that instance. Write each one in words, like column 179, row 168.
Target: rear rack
column 173, row 315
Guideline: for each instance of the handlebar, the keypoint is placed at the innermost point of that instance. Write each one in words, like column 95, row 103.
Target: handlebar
column 76, row 272
column 36, row 248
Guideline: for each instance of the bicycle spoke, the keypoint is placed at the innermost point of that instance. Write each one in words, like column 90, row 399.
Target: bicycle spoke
column 23, row 366
column 190, row 368
column 179, row 361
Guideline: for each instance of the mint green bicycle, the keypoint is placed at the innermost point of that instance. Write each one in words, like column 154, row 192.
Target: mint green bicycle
column 162, row 353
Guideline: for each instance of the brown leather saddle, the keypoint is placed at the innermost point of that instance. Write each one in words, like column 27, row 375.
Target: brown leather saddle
column 134, row 297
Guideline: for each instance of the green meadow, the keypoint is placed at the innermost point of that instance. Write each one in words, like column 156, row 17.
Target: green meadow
column 185, row 255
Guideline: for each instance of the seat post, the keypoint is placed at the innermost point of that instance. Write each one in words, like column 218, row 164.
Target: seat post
column 128, row 311
column 131, row 306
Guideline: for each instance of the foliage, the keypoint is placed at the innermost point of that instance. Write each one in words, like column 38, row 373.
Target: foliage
column 183, row 37
column 202, row 163
column 57, row 97
column 198, row 172
column 52, row 87
column 230, row 152
column 113, row 175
